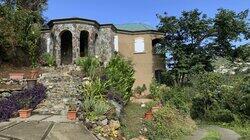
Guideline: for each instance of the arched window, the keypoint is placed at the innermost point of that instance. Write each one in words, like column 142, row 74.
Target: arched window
column 139, row 45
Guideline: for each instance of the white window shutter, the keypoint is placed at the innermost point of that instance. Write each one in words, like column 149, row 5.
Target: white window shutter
column 139, row 45
column 116, row 43
column 48, row 44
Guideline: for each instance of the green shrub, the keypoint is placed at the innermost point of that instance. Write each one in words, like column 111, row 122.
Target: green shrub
column 95, row 88
column 179, row 97
column 244, row 95
column 91, row 66
column 243, row 52
column 218, row 95
column 140, row 90
column 220, row 115
column 221, row 61
column 157, row 90
column 198, row 108
column 95, row 108
column 88, row 104
column 120, row 75
column 169, row 123
column 101, row 107
column 48, row 59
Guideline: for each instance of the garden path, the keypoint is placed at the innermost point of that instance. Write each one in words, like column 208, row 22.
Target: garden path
column 44, row 127
column 226, row 134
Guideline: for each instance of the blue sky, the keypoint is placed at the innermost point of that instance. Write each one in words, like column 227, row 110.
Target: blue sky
column 134, row 11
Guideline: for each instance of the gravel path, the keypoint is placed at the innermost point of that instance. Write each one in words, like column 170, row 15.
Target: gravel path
column 226, row 134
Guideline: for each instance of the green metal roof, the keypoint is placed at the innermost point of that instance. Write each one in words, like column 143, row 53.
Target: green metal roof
column 134, row 27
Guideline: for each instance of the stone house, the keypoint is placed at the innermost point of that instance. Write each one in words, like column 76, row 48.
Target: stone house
column 70, row 38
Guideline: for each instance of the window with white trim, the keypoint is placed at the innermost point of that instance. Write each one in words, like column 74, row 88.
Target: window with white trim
column 139, row 45
column 116, row 43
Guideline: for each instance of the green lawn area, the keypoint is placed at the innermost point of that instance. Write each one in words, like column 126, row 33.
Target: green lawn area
column 132, row 120
column 212, row 135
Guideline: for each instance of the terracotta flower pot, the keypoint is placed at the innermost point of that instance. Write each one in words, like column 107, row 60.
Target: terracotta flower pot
column 148, row 115
column 16, row 76
column 31, row 83
column 71, row 115
column 34, row 74
column 137, row 96
column 24, row 113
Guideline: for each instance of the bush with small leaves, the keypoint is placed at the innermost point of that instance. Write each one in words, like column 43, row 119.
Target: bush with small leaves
column 27, row 98
column 219, row 95
column 48, row 59
column 169, row 123
column 91, row 66
column 120, row 75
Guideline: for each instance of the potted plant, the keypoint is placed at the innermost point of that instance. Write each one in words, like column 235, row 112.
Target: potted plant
column 16, row 76
column 32, row 78
column 148, row 115
column 31, row 83
column 72, row 112
column 25, row 111
column 152, row 107
column 139, row 90
column 34, row 73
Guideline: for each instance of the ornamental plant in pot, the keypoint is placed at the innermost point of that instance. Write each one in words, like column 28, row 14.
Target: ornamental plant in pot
column 25, row 111
column 34, row 73
column 150, row 106
column 148, row 115
column 31, row 83
column 139, row 90
column 72, row 112
column 32, row 78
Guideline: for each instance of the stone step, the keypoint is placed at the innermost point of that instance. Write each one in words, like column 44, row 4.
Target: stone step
column 61, row 88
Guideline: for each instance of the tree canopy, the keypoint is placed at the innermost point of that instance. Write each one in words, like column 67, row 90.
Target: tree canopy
column 192, row 40
column 20, row 27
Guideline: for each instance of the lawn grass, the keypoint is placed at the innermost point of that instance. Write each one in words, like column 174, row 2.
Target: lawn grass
column 132, row 120
column 212, row 135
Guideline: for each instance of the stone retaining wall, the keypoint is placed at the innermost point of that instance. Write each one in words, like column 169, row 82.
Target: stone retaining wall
column 62, row 89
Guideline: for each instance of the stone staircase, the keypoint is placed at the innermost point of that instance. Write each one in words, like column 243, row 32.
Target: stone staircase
column 62, row 88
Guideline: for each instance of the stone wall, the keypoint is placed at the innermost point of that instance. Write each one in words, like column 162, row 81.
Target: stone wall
column 105, row 44
column 75, row 29
column 46, row 42
column 100, row 41
column 62, row 89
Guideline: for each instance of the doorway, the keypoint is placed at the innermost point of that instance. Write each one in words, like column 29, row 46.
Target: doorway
column 66, row 48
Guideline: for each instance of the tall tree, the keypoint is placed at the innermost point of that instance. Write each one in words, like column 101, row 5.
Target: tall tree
column 20, row 27
column 230, row 27
column 192, row 40
column 32, row 5
column 185, row 42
